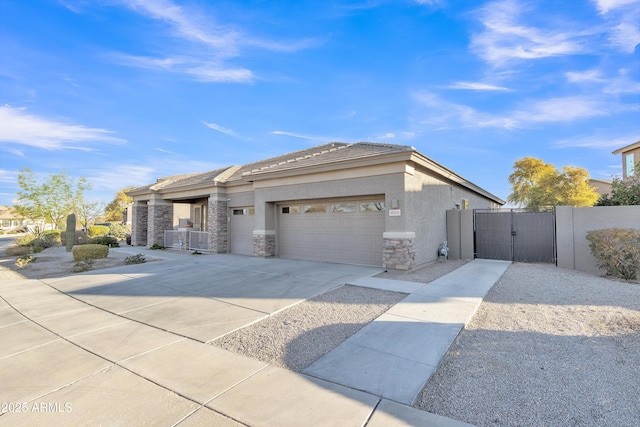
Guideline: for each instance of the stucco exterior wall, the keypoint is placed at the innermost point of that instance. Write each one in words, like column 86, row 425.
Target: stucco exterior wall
column 572, row 225
column 427, row 200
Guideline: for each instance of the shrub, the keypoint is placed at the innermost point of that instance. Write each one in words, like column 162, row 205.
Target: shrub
column 84, row 252
column 118, row 230
column 104, row 240
column 24, row 260
column 54, row 236
column 97, row 230
column 156, row 246
column 135, row 259
column 43, row 242
column 82, row 265
column 617, row 251
column 17, row 250
column 25, row 240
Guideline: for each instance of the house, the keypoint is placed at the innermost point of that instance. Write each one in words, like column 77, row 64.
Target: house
column 10, row 220
column 364, row 203
column 630, row 158
column 602, row 186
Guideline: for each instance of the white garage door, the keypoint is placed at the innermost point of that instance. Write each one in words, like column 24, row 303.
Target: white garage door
column 347, row 232
column 241, row 230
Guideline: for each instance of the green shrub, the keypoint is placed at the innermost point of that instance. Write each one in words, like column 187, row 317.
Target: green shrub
column 156, row 246
column 84, row 252
column 18, row 250
column 135, row 259
column 54, row 236
column 25, row 239
column 617, row 251
column 82, row 266
column 104, row 240
column 97, row 230
column 118, row 230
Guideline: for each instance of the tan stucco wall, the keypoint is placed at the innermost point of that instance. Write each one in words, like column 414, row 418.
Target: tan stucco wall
column 427, row 200
column 572, row 225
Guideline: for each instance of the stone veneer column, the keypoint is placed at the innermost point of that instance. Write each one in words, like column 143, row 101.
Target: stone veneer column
column 217, row 223
column 264, row 243
column 160, row 219
column 399, row 252
column 140, row 217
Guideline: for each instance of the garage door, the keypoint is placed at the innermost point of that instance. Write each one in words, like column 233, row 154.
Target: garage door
column 241, row 230
column 347, row 232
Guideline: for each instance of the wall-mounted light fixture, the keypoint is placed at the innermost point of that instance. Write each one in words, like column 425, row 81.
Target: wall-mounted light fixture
column 394, row 203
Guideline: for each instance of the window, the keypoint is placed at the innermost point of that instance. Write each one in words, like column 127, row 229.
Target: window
column 315, row 208
column 239, row 212
column 343, row 207
column 291, row 209
column 372, row 206
column 630, row 167
column 243, row 211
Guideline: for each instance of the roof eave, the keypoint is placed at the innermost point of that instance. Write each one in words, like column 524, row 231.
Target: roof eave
column 627, row 148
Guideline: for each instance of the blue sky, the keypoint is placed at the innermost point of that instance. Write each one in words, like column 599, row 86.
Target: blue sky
column 125, row 91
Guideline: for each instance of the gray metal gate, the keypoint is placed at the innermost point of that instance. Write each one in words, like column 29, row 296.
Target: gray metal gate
column 515, row 235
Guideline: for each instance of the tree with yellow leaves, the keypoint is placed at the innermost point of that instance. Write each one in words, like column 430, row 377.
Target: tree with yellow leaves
column 536, row 185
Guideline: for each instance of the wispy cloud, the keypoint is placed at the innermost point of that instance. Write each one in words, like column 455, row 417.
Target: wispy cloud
column 478, row 86
column 600, row 142
column 605, row 6
column 506, row 37
column 617, row 84
column 193, row 66
column 448, row 115
column 314, row 138
column 221, row 129
column 20, row 127
column 622, row 17
column 189, row 24
column 210, row 45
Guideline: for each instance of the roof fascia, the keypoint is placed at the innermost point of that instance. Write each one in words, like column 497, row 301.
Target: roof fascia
column 446, row 173
column 627, row 148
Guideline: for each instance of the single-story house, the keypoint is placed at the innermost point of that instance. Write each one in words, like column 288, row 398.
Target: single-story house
column 10, row 220
column 364, row 203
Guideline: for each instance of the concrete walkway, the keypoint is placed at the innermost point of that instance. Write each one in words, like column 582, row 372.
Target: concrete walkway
column 79, row 357
column 395, row 355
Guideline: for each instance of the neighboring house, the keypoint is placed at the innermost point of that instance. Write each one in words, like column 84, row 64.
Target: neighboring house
column 364, row 203
column 630, row 158
column 10, row 220
column 602, row 186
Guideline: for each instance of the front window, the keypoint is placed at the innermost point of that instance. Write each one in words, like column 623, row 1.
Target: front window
column 629, row 164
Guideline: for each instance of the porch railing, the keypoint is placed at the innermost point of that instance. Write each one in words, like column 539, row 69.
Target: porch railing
column 199, row 241
column 183, row 240
column 173, row 240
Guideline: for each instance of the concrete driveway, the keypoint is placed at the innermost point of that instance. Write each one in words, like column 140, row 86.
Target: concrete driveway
column 127, row 346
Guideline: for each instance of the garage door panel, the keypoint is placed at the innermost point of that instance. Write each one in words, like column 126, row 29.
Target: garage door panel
column 346, row 237
column 241, row 231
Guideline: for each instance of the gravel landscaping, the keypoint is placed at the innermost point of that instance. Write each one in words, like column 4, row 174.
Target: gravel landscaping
column 548, row 347
column 298, row 336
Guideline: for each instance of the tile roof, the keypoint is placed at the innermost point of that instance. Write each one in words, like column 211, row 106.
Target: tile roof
column 323, row 154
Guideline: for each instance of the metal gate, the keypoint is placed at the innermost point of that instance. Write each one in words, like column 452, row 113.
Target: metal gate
column 515, row 235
